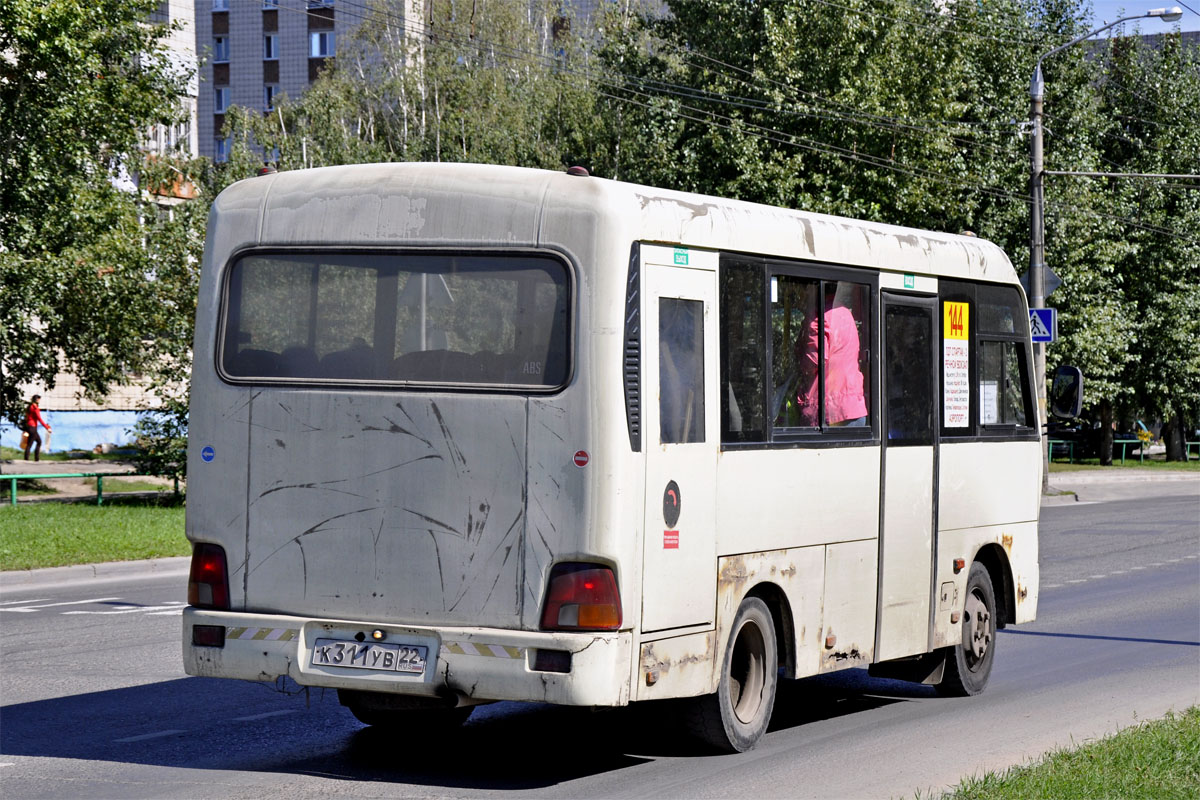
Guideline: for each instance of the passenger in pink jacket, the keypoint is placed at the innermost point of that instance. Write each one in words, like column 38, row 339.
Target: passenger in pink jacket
column 845, row 402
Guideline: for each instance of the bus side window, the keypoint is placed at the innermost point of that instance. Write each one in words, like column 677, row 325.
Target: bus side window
column 1003, row 365
column 681, row 370
column 820, row 359
column 908, row 375
column 847, row 353
column 743, row 352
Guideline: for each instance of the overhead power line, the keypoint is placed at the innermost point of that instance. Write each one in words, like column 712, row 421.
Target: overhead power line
column 640, row 86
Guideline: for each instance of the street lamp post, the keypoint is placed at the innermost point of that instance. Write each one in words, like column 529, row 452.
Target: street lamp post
column 1037, row 229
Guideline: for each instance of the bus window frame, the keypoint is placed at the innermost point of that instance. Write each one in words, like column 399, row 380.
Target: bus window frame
column 967, row 290
column 224, row 300
column 781, row 437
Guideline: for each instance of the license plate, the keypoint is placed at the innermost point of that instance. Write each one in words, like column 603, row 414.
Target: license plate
column 406, row 658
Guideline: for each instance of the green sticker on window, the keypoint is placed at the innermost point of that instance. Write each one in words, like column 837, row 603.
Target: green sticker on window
column 681, row 256
column 910, row 281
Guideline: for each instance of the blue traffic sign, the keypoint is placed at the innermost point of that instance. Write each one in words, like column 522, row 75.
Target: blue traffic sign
column 1043, row 325
column 208, row 454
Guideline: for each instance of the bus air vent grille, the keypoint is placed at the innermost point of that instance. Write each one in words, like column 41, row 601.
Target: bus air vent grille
column 633, row 350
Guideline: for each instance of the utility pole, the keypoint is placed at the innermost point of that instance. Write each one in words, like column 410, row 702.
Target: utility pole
column 1037, row 255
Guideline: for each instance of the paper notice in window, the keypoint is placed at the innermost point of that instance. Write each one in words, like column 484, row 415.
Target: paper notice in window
column 956, row 365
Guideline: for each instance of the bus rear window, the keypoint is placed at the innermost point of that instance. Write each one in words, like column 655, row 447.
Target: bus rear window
column 476, row 320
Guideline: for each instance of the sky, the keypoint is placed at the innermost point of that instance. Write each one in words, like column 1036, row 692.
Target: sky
column 1108, row 10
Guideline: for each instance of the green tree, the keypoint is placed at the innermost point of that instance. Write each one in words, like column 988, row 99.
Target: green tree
column 497, row 83
column 80, row 84
column 1151, row 92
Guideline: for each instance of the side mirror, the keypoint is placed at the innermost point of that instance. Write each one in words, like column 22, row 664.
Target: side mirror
column 1066, row 393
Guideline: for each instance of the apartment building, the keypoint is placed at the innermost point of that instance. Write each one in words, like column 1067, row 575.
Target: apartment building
column 180, row 137
column 253, row 50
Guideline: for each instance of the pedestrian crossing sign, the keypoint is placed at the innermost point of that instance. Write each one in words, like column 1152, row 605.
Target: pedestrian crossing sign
column 1043, row 325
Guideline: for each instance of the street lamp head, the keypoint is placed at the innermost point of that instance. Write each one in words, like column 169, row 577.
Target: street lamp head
column 1173, row 14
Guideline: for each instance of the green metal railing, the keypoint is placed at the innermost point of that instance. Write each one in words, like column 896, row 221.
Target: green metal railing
column 99, row 476
column 1125, row 443
column 1187, row 449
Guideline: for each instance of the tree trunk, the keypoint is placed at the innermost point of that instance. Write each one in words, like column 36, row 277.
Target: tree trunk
column 1172, row 435
column 1105, row 444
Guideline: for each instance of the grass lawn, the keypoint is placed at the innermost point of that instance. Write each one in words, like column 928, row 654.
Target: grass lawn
column 1159, row 759
column 57, row 534
column 1154, row 463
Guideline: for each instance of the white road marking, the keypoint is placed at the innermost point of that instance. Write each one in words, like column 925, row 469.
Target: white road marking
column 145, row 736
column 126, row 610
column 1118, row 572
column 254, row 717
column 27, row 608
column 23, row 602
column 1052, row 586
column 8, row 764
column 1096, row 577
column 1078, row 580
column 175, row 611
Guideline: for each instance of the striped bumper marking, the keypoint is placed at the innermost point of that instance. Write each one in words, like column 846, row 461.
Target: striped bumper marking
column 262, row 634
column 486, row 650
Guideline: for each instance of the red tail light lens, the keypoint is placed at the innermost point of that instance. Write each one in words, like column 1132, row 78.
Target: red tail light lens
column 582, row 597
column 208, row 584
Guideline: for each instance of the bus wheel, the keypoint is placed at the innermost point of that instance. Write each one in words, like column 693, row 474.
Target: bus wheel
column 969, row 664
column 734, row 718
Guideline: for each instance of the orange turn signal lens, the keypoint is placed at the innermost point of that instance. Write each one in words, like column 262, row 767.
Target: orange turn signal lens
column 606, row 617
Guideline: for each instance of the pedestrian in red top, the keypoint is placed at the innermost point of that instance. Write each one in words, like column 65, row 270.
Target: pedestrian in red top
column 33, row 416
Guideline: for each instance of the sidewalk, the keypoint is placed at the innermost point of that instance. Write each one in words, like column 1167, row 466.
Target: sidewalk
column 1101, row 486
column 108, row 571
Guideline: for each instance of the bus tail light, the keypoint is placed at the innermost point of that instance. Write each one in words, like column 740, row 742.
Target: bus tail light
column 208, row 583
column 582, row 597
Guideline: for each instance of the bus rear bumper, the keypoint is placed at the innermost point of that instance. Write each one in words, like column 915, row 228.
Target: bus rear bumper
column 474, row 664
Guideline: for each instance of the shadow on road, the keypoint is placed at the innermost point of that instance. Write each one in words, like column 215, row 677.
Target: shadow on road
column 1102, row 638
column 201, row 723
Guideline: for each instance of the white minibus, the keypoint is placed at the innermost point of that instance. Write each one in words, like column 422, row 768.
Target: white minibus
column 466, row 433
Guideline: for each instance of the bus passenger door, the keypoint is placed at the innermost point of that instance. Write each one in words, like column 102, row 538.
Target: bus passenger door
column 680, row 439
column 907, row 532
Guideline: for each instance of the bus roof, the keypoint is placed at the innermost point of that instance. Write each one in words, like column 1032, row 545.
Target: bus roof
column 430, row 203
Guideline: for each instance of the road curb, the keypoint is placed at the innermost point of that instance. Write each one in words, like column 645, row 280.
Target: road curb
column 1120, row 475
column 1063, row 499
column 153, row 567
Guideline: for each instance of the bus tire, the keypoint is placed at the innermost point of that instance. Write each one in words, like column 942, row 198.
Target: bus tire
column 969, row 664
column 735, row 717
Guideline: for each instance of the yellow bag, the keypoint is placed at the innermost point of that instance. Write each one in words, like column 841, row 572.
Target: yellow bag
column 24, row 439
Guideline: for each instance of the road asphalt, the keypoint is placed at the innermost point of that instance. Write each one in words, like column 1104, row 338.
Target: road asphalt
column 1067, row 488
